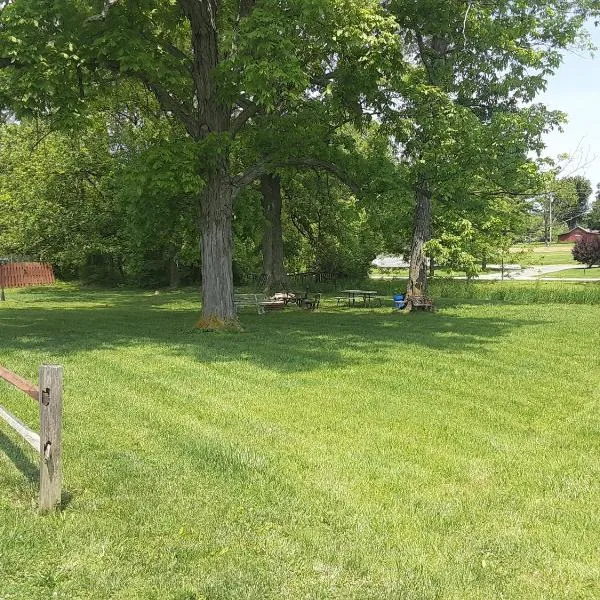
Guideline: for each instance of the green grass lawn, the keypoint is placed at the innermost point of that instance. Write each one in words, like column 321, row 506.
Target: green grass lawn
column 336, row 454
column 593, row 273
column 540, row 254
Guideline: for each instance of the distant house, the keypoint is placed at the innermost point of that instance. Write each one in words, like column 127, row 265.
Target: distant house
column 387, row 261
column 577, row 233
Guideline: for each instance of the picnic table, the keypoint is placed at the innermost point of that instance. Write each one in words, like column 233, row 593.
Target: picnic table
column 285, row 297
column 366, row 295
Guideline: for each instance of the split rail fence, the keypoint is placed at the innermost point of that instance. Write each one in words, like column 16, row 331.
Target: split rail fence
column 48, row 442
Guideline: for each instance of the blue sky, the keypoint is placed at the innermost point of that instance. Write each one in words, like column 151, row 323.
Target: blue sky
column 575, row 89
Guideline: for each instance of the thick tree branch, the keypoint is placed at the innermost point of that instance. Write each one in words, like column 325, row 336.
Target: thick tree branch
column 249, row 110
column 202, row 16
column 324, row 78
column 166, row 100
column 246, row 178
column 172, row 105
column 262, row 167
column 423, row 54
column 302, row 228
column 178, row 54
column 323, row 165
column 108, row 4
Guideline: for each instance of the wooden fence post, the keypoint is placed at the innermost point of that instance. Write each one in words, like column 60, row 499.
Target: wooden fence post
column 2, row 296
column 51, row 390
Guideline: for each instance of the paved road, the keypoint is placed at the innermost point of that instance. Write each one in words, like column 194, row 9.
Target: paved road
column 528, row 274
column 537, row 273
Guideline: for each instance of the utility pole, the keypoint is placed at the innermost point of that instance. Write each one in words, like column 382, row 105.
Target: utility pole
column 551, row 199
column 549, row 238
column 502, row 251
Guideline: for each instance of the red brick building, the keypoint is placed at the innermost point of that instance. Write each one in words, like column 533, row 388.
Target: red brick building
column 577, row 233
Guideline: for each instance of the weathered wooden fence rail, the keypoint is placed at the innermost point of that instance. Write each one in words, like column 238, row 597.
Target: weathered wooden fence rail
column 48, row 442
column 292, row 279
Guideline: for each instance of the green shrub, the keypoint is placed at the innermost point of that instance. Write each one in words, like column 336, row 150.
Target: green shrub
column 514, row 292
column 587, row 250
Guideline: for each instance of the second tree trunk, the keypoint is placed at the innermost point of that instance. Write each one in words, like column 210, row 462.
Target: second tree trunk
column 417, row 278
column 272, row 235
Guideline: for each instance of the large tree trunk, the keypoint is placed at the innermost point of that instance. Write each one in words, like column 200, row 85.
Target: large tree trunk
column 272, row 234
column 267, row 238
column 174, row 278
column 417, row 278
column 433, row 60
column 217, row 272
column 277, row 234
column 172, row 267
column 213, row 117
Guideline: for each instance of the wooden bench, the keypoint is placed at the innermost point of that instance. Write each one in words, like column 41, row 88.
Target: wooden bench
column 255, row 300
column 422, row 302
column 273, row 304
column 312, row 303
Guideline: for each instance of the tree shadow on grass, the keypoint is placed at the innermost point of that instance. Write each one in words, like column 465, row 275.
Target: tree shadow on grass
column 291, row 340
column 27, row 466
column 17, row 455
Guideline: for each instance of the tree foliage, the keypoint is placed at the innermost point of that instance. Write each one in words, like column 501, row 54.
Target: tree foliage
column 214, row 68
column 464, row 120
column 56, row 203
column 583, row 191
column 386, row 122
column 587, row 250
column 593, row 217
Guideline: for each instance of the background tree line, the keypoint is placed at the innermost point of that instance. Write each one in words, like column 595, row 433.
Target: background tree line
column 149, row 141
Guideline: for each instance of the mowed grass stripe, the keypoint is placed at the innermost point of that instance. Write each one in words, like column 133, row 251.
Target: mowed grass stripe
column 345, row 453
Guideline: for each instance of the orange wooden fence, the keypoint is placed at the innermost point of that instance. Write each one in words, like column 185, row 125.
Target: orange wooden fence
column 24, row 274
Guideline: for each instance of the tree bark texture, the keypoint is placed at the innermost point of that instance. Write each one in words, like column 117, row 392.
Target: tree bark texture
column 433, row 60
column 217, row 272
column 272, row 235
column 213, row 116
column 174, row 278
column 417, row 278
column 267, row 243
